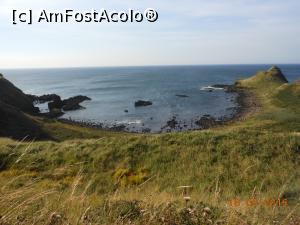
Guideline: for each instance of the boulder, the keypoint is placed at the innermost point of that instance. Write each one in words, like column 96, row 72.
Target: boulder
column 140, row 103
column 172, row 123
column 57, row 103
column 73, row 102
column 206, row 122
column 54, row 113
column 182, row 96
column 44, row 98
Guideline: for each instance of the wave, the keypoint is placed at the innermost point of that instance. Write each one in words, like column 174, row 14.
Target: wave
column 207, row 88
column 129, row 122
column 109, row 88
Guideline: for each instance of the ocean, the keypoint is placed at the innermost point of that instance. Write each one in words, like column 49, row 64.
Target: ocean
column 175, row 91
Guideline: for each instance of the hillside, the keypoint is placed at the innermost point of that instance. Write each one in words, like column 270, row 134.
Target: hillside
column 13, row 96
column 273, row 76
column 14, row 106
column 19, row 119
column 15, row 124
column 98, row 177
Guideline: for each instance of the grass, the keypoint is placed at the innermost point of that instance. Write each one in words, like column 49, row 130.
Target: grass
column 88, row 176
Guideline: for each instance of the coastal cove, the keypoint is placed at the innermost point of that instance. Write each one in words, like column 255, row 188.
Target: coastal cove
column 123, row 171
column 182, row 97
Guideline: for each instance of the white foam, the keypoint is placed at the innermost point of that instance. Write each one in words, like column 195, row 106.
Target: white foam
column 207, row 88
column 129, row 122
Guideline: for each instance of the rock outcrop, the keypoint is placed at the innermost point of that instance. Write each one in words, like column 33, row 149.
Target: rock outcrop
column 56, row 105
column 275, row 73
column 206, row 122
column 44, row 98
column 272, row 77
column 182, row 96
column 73, row 103
column 140, row 103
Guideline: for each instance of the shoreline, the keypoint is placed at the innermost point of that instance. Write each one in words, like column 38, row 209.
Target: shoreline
column 246, row 104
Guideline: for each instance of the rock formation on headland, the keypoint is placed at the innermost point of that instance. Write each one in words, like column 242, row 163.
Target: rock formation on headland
column 55, row 101
column 276, row 73
column 273, row 76
column 247, row 103
column 17, row 109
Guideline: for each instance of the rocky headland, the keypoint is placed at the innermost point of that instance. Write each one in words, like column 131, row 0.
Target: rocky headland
column 18, row 111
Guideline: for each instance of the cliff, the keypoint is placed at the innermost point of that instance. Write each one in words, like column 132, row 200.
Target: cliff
column 14, row 120
column 13, row 96
column 16, row 124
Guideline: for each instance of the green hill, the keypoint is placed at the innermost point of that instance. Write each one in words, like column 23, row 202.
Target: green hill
column 99, row 177
column 273, row 76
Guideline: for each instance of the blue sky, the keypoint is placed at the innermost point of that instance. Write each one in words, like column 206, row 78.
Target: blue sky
column 187, row 32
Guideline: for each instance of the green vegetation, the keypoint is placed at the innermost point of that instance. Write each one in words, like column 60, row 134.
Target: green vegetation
column 87, row 176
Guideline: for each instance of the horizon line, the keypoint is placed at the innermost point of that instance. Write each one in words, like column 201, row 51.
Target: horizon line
column 150, row 65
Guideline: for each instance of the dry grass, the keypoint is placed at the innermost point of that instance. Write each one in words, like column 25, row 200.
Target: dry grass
column 88, row 176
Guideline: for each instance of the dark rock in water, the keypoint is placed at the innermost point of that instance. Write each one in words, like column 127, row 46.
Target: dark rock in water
column 72, row 106
column 44, row 98
column 172, row 123
column 54, row 113
column 231, row 89
column 118, row 127
column 77, row 99
column 55, row 104
column 11, row 95
column 146, row 130
column 206, row 122
column 140, row 103
column 182, row 96
column 73, row 103
column 126, row 110
column 220, row 85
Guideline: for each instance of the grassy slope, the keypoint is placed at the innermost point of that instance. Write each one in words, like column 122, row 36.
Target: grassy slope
column 84, row 176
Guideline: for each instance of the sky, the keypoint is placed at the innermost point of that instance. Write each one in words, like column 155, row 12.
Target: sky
column 188, row 32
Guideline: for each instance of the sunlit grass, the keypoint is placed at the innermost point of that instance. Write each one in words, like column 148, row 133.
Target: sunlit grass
column 88, row 176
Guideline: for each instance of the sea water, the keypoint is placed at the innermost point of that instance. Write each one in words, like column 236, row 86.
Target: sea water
column 183, row 92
